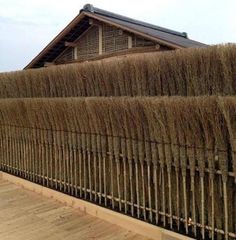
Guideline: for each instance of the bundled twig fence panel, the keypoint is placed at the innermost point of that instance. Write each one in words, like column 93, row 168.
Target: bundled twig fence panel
column 168, row 161
column 188, row 72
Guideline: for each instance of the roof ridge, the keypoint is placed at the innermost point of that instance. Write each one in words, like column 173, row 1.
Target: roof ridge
column 92, row 9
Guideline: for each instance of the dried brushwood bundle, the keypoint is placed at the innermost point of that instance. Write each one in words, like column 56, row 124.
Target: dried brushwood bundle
column 196, row 156
column 106, row 106
column 221, row 136
column 92, row 156
column 161, row 115
column 181, row 123
column 205, row 110
column 227, row 107
column 171, row 121
column 117, row 130
column 137, row 139
column 127, row 158
column 99, row 128
column 148, row 167
column 150, row 132
column 159, row 138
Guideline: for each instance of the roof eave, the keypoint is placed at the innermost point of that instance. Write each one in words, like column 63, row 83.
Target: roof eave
column 75, row 21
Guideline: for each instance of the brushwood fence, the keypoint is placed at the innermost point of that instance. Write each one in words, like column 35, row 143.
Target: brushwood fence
column 170, row 162
column 188, row 72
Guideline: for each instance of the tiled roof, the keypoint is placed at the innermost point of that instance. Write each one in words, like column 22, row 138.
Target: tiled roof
column 171, row 36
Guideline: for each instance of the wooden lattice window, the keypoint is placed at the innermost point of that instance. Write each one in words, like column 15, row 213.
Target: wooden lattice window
column 113, row 39
column 88, row 44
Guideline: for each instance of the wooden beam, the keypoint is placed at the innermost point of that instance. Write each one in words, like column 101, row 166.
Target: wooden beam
column 125, row 52
column 130, row 43
column 90, row 21
column 94, row 22
column 70, row 44
column 100, row 40
column 133, row 50
column 48, row 64
column 75, row 51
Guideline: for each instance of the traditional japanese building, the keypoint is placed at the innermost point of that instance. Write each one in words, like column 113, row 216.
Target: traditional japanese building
column 96, row 34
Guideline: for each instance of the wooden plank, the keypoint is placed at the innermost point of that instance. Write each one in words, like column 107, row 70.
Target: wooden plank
column 48, row 64
column 27, row 215
column 100, row 40
column 75, row 53
column 130, row 42
column 131, row 224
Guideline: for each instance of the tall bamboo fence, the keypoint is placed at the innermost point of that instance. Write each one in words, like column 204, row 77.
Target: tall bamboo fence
column 167, row 161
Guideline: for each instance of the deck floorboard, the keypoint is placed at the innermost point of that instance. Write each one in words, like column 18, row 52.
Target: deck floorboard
column 25, row 215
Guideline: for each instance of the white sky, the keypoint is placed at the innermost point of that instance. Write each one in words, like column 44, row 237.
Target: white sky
column 26, row 26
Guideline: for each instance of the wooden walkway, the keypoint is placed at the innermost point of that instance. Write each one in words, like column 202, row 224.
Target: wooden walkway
column 28, row 215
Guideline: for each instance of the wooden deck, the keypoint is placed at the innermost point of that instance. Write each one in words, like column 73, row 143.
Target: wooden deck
column 28, row 215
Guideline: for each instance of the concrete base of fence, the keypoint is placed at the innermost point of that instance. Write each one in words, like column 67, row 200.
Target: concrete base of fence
column 134, row 225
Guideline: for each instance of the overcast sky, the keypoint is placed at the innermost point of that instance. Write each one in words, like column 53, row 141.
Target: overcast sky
column 26, row 26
